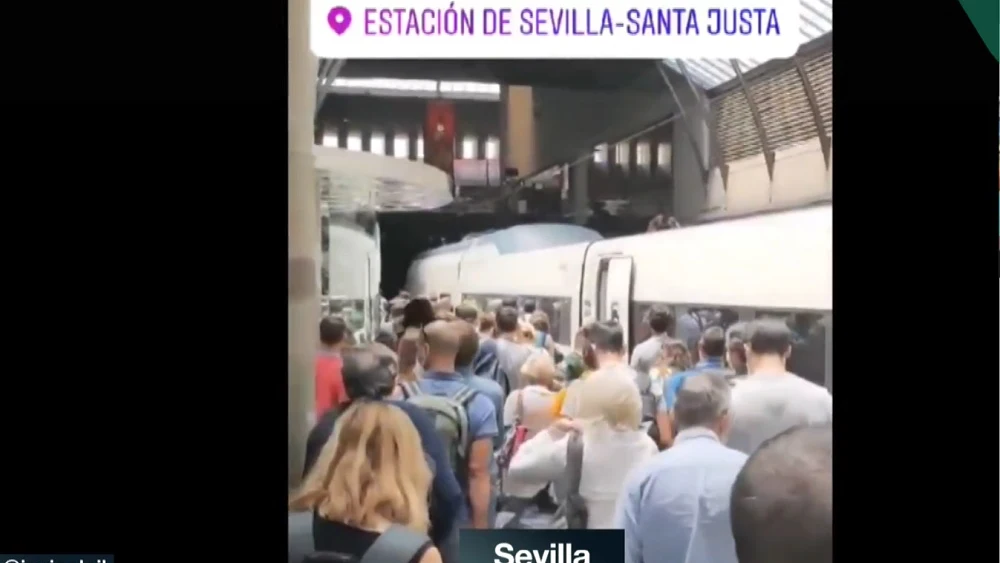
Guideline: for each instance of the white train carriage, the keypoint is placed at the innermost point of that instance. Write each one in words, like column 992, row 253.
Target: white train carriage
column 777, row 265
column 542, row 261
column 350, row 182
column 436, row 271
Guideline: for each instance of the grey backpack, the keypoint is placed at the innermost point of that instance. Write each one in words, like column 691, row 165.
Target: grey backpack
column 451, row 420
column 572, row 513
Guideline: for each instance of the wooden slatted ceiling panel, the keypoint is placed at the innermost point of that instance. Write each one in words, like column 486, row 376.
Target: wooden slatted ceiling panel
column 783, row 106
column 820, row 73
column 736, row 132
column 784, row 109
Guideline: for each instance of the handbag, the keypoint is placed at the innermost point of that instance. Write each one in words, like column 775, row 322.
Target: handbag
column 516, row 436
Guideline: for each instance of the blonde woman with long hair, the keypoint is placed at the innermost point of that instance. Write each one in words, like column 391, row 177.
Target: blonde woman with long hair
column 370, row 478
column 608, row 416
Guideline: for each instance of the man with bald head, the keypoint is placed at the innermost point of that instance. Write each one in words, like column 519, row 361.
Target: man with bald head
column 676, row 507
column 782, row 501
column 442, row 341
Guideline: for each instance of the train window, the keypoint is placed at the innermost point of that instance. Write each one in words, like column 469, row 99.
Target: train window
column 690, row 321
column 563, row 322
column 639, row 317
column 558, row 311
column 808, row 359
column 697, row 318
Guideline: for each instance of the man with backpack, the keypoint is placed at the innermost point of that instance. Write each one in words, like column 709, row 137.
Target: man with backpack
column 465, row 419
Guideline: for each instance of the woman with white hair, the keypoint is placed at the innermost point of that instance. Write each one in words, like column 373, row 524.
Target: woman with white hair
column 608, row 417
column 531, row 405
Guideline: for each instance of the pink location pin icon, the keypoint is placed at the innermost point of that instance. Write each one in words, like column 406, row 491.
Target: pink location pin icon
column 339, row 19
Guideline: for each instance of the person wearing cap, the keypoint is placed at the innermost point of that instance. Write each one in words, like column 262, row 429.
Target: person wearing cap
column 369, row 373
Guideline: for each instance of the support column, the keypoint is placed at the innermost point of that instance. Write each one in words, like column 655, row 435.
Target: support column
column 517, row 142
column 579, row 186
column 303, row 235
column 690, row 147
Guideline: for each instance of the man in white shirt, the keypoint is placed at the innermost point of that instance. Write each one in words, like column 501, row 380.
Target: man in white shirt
column 770, row 399
column 662, row 323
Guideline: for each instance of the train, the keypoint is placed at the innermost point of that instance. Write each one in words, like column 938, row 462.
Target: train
column 774, row 265
column 352, row 188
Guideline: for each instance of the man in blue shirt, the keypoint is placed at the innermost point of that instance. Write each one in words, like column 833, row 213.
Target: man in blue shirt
column 676, row 507
column 485, row 359
column 371, row 376
column 442, row 379
column 468, row 346
column 711, row 350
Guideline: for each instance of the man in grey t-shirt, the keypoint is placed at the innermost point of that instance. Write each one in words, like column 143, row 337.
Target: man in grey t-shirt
column 661, row 322
column 511, row 355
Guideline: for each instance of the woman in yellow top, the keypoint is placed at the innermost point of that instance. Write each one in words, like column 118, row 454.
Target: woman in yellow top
column 578, row 365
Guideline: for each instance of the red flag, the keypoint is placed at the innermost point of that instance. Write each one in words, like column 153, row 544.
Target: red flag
column 439, row 135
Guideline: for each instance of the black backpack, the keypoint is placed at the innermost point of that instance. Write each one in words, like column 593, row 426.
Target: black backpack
column 398, row 544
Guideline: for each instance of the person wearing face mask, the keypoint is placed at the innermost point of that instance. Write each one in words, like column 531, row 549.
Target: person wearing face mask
column 676, row 507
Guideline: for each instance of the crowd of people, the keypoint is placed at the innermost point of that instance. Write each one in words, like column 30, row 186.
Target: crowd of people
column 455, row 417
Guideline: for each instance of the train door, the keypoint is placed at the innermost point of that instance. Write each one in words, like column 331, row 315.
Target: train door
column 614, row 292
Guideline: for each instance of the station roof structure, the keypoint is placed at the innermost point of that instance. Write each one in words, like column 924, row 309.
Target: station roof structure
column 816, row 21
column 481, row 79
